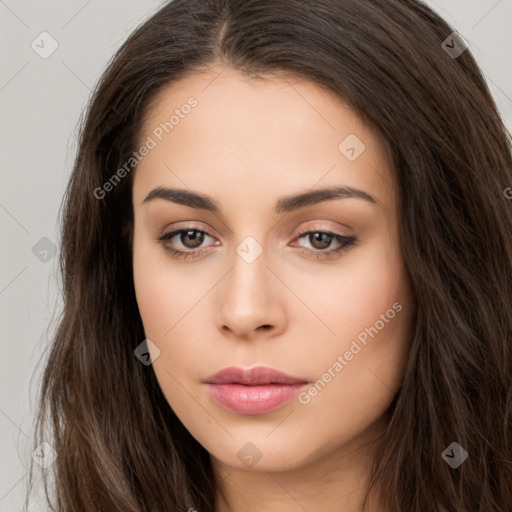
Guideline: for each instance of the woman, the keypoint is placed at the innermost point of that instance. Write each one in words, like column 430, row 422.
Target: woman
column 286, row 262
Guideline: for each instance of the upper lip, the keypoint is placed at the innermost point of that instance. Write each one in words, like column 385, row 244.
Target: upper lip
column 258, row 375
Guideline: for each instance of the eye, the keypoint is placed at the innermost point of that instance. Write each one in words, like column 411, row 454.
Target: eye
column 321, row 239
column 191, row 240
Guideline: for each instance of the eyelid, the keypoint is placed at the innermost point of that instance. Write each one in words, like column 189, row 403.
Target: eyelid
column 190, row 225
column 321, row 229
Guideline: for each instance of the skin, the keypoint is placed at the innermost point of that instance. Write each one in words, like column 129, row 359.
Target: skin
column 248, row 143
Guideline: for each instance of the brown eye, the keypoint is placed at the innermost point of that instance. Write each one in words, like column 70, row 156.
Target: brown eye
column 325, row 244
column 192, row 238
column 184, row 243
column 320, row 240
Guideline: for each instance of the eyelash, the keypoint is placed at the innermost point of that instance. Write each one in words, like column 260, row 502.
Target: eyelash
column 344, row 243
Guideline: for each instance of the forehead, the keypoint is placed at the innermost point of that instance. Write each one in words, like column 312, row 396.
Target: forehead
column 276, row 101
column 273, row 129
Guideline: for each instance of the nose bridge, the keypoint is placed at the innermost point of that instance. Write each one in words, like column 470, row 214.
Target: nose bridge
column 248, row 282
column 249, row 298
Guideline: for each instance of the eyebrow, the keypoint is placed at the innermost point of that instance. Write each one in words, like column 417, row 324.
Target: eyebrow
column 285, row 204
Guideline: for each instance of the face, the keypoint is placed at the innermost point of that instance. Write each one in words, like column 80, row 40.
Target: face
column 266, row 234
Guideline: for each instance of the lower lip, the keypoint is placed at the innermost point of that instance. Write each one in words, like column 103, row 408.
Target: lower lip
column 253, row 399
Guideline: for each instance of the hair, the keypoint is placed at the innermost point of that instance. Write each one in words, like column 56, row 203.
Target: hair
column 120, row 446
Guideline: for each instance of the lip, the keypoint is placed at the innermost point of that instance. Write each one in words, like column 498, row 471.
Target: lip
column 253, row 391
column 255, row 376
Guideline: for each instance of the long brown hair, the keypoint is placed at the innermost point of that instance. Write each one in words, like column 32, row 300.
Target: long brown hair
column 120, row 446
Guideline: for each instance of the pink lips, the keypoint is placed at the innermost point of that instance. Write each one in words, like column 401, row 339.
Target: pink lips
column 253, row 391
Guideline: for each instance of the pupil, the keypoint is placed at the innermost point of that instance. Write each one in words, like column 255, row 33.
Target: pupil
column 195, row 236
column 318, row 237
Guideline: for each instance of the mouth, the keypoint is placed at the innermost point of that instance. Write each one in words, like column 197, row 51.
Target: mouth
column 253, row 391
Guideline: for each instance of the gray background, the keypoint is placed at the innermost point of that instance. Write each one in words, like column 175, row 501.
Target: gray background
column 40, row 103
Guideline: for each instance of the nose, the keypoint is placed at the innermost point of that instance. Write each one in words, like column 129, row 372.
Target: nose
column 250, row 301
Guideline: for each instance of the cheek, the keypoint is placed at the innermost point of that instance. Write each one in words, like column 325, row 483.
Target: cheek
column 169, row 303
column 160, row 290
column 166, row 302
column 352, row 296
column 367, row 306
column 368, row 292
